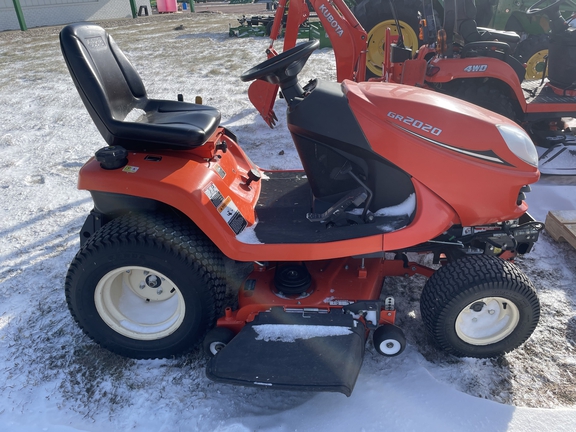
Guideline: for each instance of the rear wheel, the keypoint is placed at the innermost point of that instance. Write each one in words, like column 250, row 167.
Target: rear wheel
column 375, row 16
column 532, row 51
column 479, row 307
column 146, row 286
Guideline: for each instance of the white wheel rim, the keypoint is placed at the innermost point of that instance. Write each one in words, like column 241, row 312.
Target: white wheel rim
column 139, row 303
column 390, row 346
column 487, row 320
column 215, row 347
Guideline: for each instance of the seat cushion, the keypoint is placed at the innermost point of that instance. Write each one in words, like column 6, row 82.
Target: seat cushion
column 167, row 125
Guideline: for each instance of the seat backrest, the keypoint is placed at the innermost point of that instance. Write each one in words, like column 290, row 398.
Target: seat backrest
column 465, row 20
column 108, row 84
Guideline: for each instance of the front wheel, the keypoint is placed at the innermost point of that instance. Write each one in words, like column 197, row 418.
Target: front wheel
column 479, row 307
column 146, row 286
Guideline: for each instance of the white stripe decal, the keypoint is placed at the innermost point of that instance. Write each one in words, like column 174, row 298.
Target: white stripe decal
column 456, row 149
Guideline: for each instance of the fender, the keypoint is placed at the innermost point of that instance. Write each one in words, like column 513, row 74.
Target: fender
column 433, row 217
column 476, row 67
column 189, row 181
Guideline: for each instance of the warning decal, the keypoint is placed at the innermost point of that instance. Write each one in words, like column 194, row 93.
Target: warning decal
column 130, row 169
column 226, row 208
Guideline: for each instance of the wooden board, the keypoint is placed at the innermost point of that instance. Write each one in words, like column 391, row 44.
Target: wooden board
column 561, row 225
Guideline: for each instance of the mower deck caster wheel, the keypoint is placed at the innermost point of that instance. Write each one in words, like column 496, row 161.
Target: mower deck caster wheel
column 389, row 340
column 216, row 339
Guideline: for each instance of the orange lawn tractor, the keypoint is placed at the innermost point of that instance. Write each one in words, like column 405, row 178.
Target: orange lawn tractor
column 174, row 194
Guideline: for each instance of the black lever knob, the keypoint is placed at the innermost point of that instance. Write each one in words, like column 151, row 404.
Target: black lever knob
column 253, row 175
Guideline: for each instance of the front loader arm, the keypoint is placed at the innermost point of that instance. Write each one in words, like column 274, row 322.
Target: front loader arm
column 347, row 36
column 297, row 14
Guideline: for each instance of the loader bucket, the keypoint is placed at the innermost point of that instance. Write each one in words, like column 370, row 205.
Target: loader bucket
column 263, row 95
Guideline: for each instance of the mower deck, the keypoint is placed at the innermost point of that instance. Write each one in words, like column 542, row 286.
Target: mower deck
column 286, row 198
column 309, row 351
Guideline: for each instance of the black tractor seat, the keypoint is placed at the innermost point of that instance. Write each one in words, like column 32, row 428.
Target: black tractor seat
column 460, row 15
column 116, row 99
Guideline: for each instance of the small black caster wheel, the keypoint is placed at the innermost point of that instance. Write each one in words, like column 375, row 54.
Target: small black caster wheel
column 216, row 339
column 389, row 340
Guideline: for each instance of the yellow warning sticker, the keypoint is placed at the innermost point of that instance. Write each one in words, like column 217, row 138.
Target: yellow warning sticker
column 226, row 208
column 130, row 169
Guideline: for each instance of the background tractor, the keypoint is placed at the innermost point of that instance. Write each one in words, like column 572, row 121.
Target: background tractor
column 510, row 15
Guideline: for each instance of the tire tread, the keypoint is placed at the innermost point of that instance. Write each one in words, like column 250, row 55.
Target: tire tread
column 463, row 277
column 179, row 238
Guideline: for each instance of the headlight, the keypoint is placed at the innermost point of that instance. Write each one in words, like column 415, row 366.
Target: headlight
column 519, row 143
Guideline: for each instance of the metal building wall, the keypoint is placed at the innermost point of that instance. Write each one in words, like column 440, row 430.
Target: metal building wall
column 55, row 12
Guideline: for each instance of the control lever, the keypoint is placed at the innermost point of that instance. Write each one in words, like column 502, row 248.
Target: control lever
column 356, row 197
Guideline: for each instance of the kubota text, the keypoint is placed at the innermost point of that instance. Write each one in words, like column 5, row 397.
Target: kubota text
column 333, row 23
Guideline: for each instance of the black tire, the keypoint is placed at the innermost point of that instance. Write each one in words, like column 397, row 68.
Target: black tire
column 216, row 339
column 531, row 51
column 146, row 286
column 489, row 95
column 370, row 13
column 479, row 307
column 389, row 340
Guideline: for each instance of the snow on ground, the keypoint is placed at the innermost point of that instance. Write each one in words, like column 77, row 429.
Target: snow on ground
column 53, row 378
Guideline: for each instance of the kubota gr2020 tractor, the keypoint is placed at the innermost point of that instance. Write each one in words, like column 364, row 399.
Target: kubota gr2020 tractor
column 174, row 194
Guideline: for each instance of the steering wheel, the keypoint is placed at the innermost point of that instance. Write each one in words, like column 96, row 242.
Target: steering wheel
column 552, row 7
column 284, row 67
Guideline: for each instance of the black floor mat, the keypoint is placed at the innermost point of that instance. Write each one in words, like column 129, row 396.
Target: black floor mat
column 541, row 94
column 285, row 199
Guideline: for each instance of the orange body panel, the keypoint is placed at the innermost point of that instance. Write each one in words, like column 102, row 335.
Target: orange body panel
column 450, row 160
column 551, row 108
column 433, row 216
column 179, row 180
